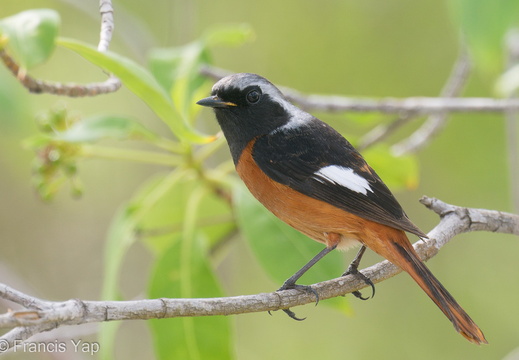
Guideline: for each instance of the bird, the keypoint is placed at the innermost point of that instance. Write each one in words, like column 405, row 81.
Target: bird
column 309, row 176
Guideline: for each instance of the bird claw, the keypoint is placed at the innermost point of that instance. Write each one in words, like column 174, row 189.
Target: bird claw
column 352, row 270
column 305, row 288
column 359, row 295
column 292, row 315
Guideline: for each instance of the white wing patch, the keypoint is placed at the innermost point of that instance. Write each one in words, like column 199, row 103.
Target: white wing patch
column 343, row 176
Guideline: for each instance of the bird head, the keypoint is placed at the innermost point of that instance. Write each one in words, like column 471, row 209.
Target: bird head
column 247, row 106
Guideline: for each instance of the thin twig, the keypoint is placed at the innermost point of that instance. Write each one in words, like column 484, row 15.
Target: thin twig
column 20, row 298
column 382, row 131
column 36, row 86
column 107, row 24
column 454, row 220
column 436, row 122
column 19, row 334
column 433, row 125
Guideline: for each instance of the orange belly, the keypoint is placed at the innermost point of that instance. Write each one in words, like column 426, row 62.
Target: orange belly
column 314, row 218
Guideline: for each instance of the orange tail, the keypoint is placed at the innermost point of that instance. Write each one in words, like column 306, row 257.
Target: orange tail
column 402, row 254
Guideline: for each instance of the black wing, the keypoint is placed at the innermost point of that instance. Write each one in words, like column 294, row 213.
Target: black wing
column 296, row 156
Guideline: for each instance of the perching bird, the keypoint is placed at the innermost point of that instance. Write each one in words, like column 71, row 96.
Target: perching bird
column 313, row 179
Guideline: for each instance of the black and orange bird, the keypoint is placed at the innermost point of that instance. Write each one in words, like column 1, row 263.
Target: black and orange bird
column 313, row 179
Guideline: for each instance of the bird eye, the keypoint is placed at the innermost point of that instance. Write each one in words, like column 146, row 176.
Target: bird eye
column 253, row 96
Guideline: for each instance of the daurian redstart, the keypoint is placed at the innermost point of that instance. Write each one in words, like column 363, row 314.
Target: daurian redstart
column 313, row 179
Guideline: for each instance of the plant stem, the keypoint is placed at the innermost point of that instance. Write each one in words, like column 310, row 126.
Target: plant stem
column 150, row 157
column 169, row 145
column 209, row 149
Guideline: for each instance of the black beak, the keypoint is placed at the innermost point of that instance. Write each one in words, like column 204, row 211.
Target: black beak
column 215, row 102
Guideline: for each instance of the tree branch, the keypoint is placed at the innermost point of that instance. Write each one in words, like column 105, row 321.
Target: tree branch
column 40, row 315
column 413, row 105
column 36, row 86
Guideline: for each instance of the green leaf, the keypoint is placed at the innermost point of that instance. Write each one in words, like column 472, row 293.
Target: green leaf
column 178, row 69
column 184, row 272
column 187, row 337
column 121, row 235
column 143, row 84
column 122, row 231
column 280, row 249
column 398, row 172
column 105, row 126
column 229, row 35
column 164, row 64
column 167, row 217
column 31, row 35
column 484, row 25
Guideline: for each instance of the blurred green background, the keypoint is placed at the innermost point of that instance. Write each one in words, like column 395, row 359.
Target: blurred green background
column 395, row 48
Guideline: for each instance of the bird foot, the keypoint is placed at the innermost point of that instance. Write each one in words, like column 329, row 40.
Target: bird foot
column 305, row 288
column 352, row 270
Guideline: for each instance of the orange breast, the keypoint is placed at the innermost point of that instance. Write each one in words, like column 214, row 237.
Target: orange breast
column 312, row 217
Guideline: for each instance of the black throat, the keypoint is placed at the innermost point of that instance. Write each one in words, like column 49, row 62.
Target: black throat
column 241, row 125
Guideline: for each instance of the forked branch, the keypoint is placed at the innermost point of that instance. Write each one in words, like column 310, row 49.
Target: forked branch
column 37, row 86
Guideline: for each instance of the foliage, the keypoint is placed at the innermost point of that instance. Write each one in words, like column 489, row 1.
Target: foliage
column 31, row 35
column 185, row 213
column 484, row 25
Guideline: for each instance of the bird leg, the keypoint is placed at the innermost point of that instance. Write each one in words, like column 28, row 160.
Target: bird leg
column 353, row 269
column 290, row 283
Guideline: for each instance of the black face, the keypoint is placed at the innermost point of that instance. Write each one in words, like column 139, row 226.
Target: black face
column 242, row 98
column 246, row 112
